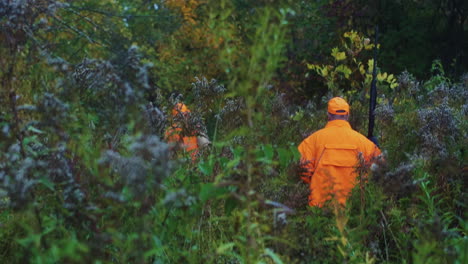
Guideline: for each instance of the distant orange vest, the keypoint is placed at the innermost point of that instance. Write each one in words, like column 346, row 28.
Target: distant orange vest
column 188, row 143
column 330, row 157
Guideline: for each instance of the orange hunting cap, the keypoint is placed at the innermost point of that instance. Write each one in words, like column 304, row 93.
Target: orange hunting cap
column 180, row 108
column 338, row 106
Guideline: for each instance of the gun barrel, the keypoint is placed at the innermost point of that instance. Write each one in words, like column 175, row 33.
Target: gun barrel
column 373, row 90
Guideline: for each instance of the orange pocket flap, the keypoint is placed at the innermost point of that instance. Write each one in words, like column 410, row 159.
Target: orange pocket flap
column 340, row 155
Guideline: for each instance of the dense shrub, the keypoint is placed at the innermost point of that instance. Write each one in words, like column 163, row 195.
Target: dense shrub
column 86, row 175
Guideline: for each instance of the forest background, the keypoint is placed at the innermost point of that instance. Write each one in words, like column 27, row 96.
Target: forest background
column 87, row 89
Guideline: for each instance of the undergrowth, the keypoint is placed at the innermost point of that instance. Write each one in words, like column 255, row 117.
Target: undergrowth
column 87, row 177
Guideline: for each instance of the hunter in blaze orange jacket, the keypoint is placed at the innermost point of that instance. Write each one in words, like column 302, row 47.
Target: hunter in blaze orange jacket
column 330, row 156
column 175, row 134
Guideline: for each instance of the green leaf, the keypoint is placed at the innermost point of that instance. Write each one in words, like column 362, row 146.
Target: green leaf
column 229, row 205
column 339, row 56
column 206, row 167
column 390, row 78
column 295, row 152
column 370, row 65
column 298, row 115
column 311, row 66
column 31, row 139
column 381, row 76
column 232, row 163
column 276, row 259
column 284, row 156
column 47, row 183
column 224, row 247
column 264, row 153
column 210, row 191
column 345, row 70
column 324, row 71
column 223, row 161
column 157, row 249
column 238, row 151
column 268, row 151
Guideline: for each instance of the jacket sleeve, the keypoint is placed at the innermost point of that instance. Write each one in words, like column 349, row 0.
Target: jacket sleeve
column 371, row 150
column 307, row 162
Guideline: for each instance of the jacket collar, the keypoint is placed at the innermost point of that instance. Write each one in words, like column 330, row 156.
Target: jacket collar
column 338, row 123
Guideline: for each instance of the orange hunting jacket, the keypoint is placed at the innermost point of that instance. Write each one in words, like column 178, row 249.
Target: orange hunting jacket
column 189, row 143
column 330, row 157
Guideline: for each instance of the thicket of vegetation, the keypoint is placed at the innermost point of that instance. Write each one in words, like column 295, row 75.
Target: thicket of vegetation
column 87, row 89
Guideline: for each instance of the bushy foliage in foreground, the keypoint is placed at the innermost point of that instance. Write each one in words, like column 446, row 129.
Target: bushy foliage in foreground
column 86, row 175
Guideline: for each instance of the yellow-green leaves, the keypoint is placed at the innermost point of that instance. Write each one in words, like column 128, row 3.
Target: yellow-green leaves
column 311, row 66
column 349, row 69
column 225, row 248
column 321, row 70
column 330, row 71
column 351, row 35
column 370, row 64
column 362, row 70
column 339, row 56
column 382, row 76
column 392, row 81
column 388, row 78
column 324, row 71
column 345, row 70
